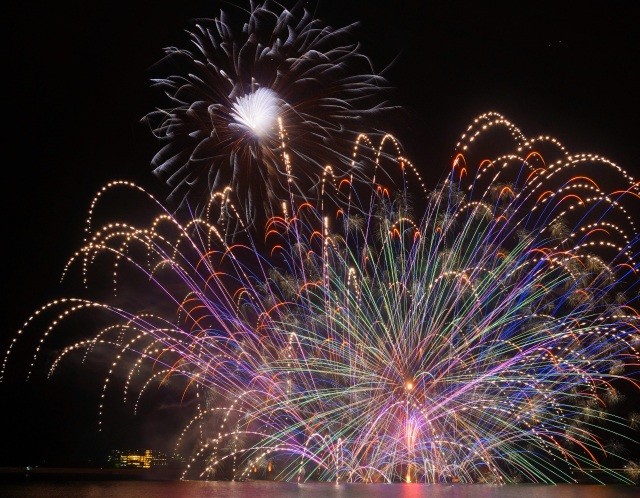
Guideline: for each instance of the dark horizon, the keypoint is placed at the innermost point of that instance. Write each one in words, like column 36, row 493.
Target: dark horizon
column 79, row 86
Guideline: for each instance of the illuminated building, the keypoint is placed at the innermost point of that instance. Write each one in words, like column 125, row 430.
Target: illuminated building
column 137, row 459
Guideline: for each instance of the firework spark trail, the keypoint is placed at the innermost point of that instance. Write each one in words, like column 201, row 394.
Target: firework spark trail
column 483, row 339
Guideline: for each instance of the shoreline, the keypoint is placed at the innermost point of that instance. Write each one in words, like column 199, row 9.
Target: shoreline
column 87, row 473
column 27, row 474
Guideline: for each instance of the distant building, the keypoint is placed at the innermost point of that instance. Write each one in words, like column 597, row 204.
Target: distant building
column 137, row 459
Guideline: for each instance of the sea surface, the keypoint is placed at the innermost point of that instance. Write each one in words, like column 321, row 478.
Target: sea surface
column 263, row 489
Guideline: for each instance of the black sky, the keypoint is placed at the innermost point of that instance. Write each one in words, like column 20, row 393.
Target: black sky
column 78, row 85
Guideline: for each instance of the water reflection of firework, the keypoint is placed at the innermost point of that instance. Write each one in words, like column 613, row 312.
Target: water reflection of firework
column 481, row 332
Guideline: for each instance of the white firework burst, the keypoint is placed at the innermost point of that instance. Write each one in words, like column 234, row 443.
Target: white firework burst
column 262, row 106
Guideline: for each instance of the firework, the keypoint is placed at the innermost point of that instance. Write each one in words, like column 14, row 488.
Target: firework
column 280, row 79
column 483, row 337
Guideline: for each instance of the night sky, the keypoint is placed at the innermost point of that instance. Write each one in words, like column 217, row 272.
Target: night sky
column 78, row 85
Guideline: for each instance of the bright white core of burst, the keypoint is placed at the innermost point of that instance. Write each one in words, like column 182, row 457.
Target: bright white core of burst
column 256, row 112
